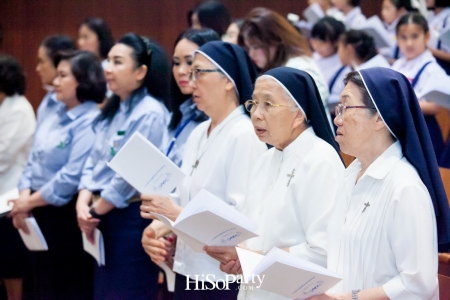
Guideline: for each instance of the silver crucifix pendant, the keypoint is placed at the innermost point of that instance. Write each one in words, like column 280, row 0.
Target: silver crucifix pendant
column 290, row 177
column 195, row 166
column 366, row 205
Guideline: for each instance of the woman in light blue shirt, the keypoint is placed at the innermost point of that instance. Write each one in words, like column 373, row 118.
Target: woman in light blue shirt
column 105, row 199
column 185, row 115
column 49, row 183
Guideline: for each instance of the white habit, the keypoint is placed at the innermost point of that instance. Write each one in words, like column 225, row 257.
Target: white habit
column 383, row 230
column 293, row 211
column 225, row 158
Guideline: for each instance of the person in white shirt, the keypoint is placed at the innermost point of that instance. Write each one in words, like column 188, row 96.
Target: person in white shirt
column 422, row 70
column 357, row 50
column 271, row 41
column 218, row 157
column 391, row 12
column 325, row 40
column 438, row 22
column 384, row 232
column 286, row 197
column 17, row 122
column 351, row 11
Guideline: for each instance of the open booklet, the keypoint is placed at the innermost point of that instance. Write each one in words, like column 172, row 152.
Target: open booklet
column 208, row 221
column 375, row 28
column 445, row 36
column 438, row 92
column 97, row 250
column 5, row 208
column 145, row 167
column 313, row 13
column 34, row 241
column 285, row 274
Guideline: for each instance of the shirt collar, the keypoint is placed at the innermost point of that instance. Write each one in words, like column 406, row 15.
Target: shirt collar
column 381, row 166
column 299, row 146
column 352, row 14
column 133, row 99
column 77, row 111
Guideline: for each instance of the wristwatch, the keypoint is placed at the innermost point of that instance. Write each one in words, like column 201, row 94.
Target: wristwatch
column 94, row 214
column 355, row 294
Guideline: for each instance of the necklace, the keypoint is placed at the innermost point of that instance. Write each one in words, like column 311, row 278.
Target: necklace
column 209, row 142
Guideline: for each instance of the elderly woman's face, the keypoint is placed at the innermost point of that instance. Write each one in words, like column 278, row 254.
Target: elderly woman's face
column 273, row 125
column 209, row 87
column 355, row 126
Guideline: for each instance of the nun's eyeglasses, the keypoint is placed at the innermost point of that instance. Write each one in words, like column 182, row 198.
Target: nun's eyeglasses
column 339, row 110
column 251, row 105
column 193, row 76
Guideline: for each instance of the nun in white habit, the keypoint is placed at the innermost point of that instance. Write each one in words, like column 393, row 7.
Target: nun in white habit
column 218, row 157
column 293, row 185
column 384, row 233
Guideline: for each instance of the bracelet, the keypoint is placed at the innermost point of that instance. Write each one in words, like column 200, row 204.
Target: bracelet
column 355, row 294
column 94, row 214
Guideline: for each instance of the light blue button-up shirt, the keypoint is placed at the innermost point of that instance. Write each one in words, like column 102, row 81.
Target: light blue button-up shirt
column 61, row 145
column 187, row 109
column 49, row 105
column 146, row 115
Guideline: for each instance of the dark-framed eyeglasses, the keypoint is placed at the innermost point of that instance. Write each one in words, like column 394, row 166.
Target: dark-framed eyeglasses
column 193, row 75
column 339, row 110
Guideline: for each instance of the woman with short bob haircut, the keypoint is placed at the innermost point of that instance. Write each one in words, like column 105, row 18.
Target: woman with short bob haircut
column 49, row 183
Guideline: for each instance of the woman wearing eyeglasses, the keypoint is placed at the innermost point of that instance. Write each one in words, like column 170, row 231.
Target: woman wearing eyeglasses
column 384, row 233
column 218, row 157
column 294, row 184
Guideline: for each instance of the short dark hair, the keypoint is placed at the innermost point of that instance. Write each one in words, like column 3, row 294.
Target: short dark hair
column 103, row 33
column 56, row 43
column 363, row 44
column 87, row 70
column 441, row 3
column 328, row 29
column 413, row 18
column 12, row 79
column 406, row 4
column 355, row 78
column 213, row 14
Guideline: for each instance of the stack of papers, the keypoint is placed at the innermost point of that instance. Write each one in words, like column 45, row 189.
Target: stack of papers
column 375, row 28
column 97, row 250
column 4, row 198
column 285, row 274
column 145, row 167
column 34, row 241
column 445, row 36
column 313, row 13
column 209, row 221
column 437, row 91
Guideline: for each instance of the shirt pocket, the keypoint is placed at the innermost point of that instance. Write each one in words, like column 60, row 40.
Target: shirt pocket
column 116, row 142
column 59, row 151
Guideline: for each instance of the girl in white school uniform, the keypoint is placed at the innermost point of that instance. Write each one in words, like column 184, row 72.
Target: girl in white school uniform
column 357, row 50
column 391, row 12
column 438, row 22
column 351, row 11
column 421, row 68
column 325, row 40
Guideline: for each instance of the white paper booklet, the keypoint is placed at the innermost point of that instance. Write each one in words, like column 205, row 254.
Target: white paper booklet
column 438, row 92
column 285, row 274
column 170, row 276
column 4, row 198
column 375, row 28
column 445, row 36
column 34, row 241
column 145, row 167
column 313, row 13
column 207, row 220
column 97, row 250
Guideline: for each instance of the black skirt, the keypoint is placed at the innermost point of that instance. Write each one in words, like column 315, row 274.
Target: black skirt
column 13, row 254
column 65, row 271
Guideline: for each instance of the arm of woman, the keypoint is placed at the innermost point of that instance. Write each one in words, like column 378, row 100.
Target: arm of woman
column 429, row 108
column 440, row 54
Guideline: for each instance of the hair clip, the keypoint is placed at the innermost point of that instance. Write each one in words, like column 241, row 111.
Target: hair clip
column 147, row 43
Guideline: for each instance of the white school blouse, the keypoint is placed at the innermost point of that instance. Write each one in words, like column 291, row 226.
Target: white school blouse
column 354, row 18
column 436, row 25
column 293, row 212
column 328, row 66
column 17, row 123
column 393, row 242
column 376, row 61
column 225, row 158
column 432, row 74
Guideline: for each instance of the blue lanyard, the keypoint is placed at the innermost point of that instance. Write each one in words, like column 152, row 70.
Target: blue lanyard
column 333, row 81
column 416, row 78
column 178, row 132
column 396, row 52
column 439, row 45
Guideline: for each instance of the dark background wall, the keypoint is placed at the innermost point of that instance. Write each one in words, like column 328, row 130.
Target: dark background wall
column 26, row 23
